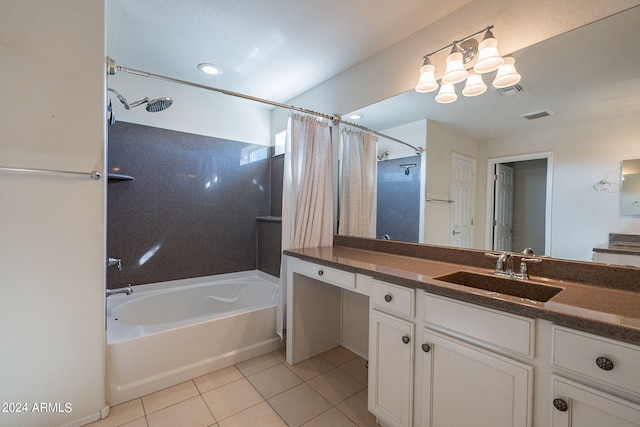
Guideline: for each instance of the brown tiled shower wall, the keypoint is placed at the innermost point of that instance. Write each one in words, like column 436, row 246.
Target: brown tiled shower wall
column 191, row 207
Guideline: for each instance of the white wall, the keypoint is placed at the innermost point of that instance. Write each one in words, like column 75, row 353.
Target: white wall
column 52, row 256
column 583, row 154
column 194, row 110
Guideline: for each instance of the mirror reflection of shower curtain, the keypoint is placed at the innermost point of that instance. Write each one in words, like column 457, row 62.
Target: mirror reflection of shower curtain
column 307, row 199
column 358, row 184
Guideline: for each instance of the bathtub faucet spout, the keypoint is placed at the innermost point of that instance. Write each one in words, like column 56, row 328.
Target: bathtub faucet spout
column 128, row 290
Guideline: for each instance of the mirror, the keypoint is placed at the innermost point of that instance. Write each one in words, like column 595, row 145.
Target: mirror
column 630, row 192
column 588, row 81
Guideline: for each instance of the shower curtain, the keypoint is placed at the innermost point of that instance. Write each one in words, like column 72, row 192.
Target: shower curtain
column 358, row 181
column 307, row 200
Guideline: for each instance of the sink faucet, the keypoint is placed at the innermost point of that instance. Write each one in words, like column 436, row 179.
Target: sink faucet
column 504, row 263
column 127, row 290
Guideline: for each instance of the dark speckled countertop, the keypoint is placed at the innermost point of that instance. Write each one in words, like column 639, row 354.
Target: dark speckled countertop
column 603, row 300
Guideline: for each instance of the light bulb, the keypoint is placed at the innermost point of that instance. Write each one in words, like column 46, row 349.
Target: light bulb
column 455, row 71
column 507, row 74
column 488, row 57
column 427, row 81
column 475, row 85
column 447, row 94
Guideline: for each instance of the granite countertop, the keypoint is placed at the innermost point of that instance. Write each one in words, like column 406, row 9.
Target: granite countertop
column 609, row 311
column 623, row 244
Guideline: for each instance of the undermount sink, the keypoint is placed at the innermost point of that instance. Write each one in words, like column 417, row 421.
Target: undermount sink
column 502, row 285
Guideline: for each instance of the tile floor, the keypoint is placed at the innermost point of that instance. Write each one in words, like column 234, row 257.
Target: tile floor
column 327, row 390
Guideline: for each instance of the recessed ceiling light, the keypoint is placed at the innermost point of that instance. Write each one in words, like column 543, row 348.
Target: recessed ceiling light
column 210, row 69
column 355, row 117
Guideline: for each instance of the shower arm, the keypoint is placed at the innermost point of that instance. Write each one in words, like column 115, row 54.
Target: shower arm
column 113, row 68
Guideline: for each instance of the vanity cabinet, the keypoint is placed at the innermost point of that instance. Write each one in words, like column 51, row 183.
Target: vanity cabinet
column 464, row 384
column 391, row 352
column 605, row 365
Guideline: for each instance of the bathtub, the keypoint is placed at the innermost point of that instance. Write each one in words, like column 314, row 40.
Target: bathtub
column 166, row 333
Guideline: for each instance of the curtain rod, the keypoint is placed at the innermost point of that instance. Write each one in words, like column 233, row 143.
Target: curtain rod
column 112, row 68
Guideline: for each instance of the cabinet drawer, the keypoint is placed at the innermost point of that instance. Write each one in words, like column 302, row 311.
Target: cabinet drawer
column 612, row 362
column 481, row 325
column 393, row 298
column 336, row 277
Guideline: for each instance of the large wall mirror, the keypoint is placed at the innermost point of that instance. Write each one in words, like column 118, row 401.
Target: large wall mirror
column 479, row 148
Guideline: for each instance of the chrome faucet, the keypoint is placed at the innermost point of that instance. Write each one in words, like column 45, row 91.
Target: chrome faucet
column 504, row 265
column 127, row 290
column 114, row 261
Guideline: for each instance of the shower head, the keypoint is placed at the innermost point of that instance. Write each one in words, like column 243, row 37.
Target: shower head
column 153, row 105
column 158, row 104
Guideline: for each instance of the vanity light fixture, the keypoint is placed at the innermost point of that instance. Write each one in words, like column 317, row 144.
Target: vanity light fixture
column 210, row 69
column 487, row 59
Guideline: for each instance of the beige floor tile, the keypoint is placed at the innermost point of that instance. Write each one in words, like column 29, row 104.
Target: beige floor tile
column 121, row 414
column 217, row 378
column 355, row 408
column 332, row 417
column 231, row 398
column 336, row 385
column 274, row 380
column 260, row 415
column 169, row 396
column 339, row 356
column 310, row 368
column 190, row 413
column 299, row 405
column 257, row 364
column 140, row 422
column 357, row 368
column 280, row 354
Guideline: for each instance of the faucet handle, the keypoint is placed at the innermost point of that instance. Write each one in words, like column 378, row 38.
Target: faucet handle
column 524, row 274
column 114, row 261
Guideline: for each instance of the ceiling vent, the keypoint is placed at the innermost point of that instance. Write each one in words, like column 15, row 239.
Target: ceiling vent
column 510, row 90
column 537, row 114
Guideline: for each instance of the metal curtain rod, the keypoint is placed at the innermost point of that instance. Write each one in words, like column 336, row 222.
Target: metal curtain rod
column 94, row 175
column 112, row 68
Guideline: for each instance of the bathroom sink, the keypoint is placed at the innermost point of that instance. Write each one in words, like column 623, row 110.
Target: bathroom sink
column 502, row 285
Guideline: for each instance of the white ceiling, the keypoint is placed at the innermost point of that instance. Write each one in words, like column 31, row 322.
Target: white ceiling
column 269, row 49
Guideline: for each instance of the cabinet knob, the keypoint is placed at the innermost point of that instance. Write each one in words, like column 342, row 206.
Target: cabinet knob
column 426, row 348
column 388, row 297
column 560, row 405
column 320, row 272
column 406, row 339
column 604, row 363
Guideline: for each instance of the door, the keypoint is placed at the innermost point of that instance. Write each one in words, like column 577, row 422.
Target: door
column 503, row 208
column 463, row 172
column 391, row 369
column 463, row 385
column 576, row 405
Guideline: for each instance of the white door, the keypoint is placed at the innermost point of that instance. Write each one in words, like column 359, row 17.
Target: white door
column 464, row 385
column 463, row 173
column 503, row 208
column 576, row 405
column 391, row 369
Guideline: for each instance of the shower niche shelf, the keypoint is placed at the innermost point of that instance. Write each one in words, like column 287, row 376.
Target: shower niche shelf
column 119, row 177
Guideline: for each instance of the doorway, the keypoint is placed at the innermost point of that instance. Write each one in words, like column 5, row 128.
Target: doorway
column 519, row 203
column 463, row 174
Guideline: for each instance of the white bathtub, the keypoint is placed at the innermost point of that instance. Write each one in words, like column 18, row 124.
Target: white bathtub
column 166, row 333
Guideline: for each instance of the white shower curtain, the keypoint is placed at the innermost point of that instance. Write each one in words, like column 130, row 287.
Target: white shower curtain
column 307, row 199
column 358, row 184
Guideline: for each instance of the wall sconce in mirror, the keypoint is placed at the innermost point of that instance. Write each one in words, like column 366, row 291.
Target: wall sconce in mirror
column 630, row 192
column 463, row 52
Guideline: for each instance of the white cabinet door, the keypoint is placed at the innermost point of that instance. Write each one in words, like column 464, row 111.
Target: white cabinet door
column 391, row 369
column 576, row 405
column 463, row 385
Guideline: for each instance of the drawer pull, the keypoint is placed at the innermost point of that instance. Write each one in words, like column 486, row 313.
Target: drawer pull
column 560, row 405
column 604, row 363
column 320, row 272
column 426, row 348
column 406, row 339
column 388, row 297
